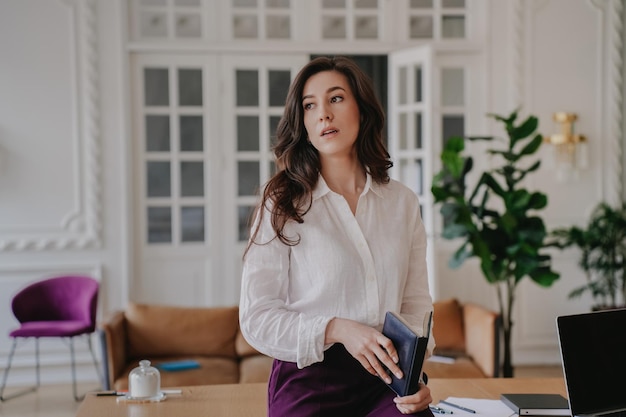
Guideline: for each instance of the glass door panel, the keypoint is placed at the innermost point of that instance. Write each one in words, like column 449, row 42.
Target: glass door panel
column 156, row 87
column 248, row 133
column 437, row 19
column 410, row 126
column 190, row 87
column 278, row 82
column 166, row 19
column 258, row 97
column 158, row 174
column 159, row 224
column 157, row 133
column 351, row 19
column 261, row 19
column 410, row 114
column 175, row 160
column 192, row 179
column 257, row 87
column 172, row 152
column 192, row 224
column 452, row 125
column 191, row 133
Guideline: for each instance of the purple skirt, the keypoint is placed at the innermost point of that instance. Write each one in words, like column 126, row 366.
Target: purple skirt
column 339, row 386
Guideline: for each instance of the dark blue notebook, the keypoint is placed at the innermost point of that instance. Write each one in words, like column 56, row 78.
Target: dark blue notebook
column 411, row 352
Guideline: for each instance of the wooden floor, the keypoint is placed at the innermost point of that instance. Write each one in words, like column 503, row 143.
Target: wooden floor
column 48, row 401
column 57, row 400
column 538, row 371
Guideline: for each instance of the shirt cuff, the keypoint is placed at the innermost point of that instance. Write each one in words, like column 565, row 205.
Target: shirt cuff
column 311, row 336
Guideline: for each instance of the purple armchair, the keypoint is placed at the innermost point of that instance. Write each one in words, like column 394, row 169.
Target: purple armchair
column 62, row 307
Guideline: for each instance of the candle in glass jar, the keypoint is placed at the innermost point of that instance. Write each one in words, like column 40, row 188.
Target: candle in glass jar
column 144, row 381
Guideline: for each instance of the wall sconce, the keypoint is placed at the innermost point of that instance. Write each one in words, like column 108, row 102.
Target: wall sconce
column 570, row 149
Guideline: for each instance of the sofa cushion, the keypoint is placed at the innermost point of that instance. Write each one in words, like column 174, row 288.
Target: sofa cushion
column 255, row 368
column 481, row 340
column 448, row 326
column 242, row 347
column 212, row 370
column 155, row 330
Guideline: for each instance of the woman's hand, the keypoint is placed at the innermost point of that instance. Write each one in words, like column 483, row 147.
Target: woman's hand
column 416, row 402
column 369, row 346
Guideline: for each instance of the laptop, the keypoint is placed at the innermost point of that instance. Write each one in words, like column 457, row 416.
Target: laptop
column 593, row 354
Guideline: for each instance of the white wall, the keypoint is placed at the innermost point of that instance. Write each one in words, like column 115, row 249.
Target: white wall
column 548, row 56
column 564, row 56
column 62, row 161
column 65, row 163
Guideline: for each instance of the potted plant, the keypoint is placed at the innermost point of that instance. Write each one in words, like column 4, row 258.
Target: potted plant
column 602, row 257
column 506, row 236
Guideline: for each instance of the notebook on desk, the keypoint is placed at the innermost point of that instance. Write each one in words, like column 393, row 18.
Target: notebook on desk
column 593, row 354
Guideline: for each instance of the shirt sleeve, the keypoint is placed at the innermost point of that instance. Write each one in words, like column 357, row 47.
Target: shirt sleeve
column 265, row 320
column 417, row 302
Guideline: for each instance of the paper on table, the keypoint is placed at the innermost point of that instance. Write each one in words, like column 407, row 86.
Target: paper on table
column 488, row 408
column 442, row 359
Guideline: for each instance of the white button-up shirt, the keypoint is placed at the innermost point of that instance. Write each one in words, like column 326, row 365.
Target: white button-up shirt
column 353, row 266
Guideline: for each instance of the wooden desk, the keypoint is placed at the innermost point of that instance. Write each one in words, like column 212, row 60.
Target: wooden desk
column 491, row 388
column 249, row 400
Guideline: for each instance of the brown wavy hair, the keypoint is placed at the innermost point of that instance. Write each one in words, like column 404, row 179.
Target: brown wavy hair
column 298, row 162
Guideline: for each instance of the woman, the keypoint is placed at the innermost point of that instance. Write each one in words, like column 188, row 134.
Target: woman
column 334, row 245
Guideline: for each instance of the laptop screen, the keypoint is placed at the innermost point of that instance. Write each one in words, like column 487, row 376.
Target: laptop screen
column 593, row 352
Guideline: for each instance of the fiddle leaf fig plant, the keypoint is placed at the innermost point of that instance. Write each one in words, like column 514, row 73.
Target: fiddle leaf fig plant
column 497, row 219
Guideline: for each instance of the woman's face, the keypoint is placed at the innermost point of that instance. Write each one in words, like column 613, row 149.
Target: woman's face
column 331, row 114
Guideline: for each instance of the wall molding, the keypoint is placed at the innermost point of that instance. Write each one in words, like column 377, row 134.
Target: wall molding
column 516, row 54
column 81, row 227
column 614, row 99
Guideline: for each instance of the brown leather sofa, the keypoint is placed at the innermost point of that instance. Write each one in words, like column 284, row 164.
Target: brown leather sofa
column 468, row 338
column 468, row 333
column 158, row 333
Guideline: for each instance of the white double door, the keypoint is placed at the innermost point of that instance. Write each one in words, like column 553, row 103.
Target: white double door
column 203, row 127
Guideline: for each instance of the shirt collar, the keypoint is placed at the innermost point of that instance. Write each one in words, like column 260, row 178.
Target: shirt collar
column 321, row 188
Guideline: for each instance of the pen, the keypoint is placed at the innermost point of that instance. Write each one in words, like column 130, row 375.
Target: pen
column 121, row 393
column 109, row 394
column 440, row 410
column 460, row 407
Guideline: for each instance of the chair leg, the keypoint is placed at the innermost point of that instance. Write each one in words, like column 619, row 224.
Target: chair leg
column 6, row 374
column 73, row 363
column 76, row 397
column 95, row 362
column 37, row 371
